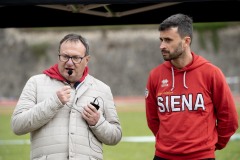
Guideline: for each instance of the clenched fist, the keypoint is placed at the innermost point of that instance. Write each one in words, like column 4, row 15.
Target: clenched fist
column 64, row 94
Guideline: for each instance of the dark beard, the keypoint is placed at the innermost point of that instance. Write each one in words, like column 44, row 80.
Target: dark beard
column 175, row 54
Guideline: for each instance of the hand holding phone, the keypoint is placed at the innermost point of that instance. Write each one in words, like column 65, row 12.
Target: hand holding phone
column 95, row 105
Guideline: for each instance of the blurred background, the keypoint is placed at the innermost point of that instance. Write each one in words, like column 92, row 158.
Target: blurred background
column 121, row 56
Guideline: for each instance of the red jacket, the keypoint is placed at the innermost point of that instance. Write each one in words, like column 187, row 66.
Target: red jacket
column 190, row 111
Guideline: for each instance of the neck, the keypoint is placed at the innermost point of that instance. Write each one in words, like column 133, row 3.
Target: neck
column 183, row 61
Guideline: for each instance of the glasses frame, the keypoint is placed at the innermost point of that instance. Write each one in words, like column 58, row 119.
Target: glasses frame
column 70, row 57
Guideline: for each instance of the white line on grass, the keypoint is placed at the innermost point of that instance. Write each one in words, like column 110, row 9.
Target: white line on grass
column 152, row 138
column 124, row 139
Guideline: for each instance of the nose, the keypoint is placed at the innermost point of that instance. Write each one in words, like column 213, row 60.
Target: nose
column 162, row 45
column 70, row 61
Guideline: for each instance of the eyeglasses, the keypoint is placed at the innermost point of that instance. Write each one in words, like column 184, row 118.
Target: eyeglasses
column 65, row 58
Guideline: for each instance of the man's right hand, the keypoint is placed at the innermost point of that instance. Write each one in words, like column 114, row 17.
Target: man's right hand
column 64, row 94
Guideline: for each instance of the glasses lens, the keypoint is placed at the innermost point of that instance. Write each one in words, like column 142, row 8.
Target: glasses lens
column 76, row 59
column 63, row 58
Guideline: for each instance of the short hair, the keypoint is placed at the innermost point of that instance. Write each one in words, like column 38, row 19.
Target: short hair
column 181, row 21
column 74, row 38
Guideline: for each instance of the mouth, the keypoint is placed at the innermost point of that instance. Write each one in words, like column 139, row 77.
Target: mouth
column 164, row 53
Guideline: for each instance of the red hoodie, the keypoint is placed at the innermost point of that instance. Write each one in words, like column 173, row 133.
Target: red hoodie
column 190, row 111
column 54, row 73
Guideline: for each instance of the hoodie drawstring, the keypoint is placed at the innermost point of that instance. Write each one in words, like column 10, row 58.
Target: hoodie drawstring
column 184, row 79
column 173, row 80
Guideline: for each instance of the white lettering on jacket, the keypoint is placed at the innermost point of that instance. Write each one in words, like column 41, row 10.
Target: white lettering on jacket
column 180, row 103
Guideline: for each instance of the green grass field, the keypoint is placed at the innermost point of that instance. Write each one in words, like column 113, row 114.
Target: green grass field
column 133, row 121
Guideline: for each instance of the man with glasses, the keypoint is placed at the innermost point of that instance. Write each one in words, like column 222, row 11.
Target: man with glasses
column 68, row 113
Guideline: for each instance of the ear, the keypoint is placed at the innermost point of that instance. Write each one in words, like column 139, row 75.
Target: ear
column 87, row 59
column 187, row 40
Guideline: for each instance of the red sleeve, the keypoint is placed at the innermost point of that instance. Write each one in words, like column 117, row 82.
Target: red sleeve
column 227, row 118
column 151, row 106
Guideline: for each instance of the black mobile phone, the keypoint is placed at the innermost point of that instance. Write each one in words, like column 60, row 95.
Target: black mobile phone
column 95, row 105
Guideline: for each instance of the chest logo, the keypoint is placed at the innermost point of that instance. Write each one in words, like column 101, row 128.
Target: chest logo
column 164, row 83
